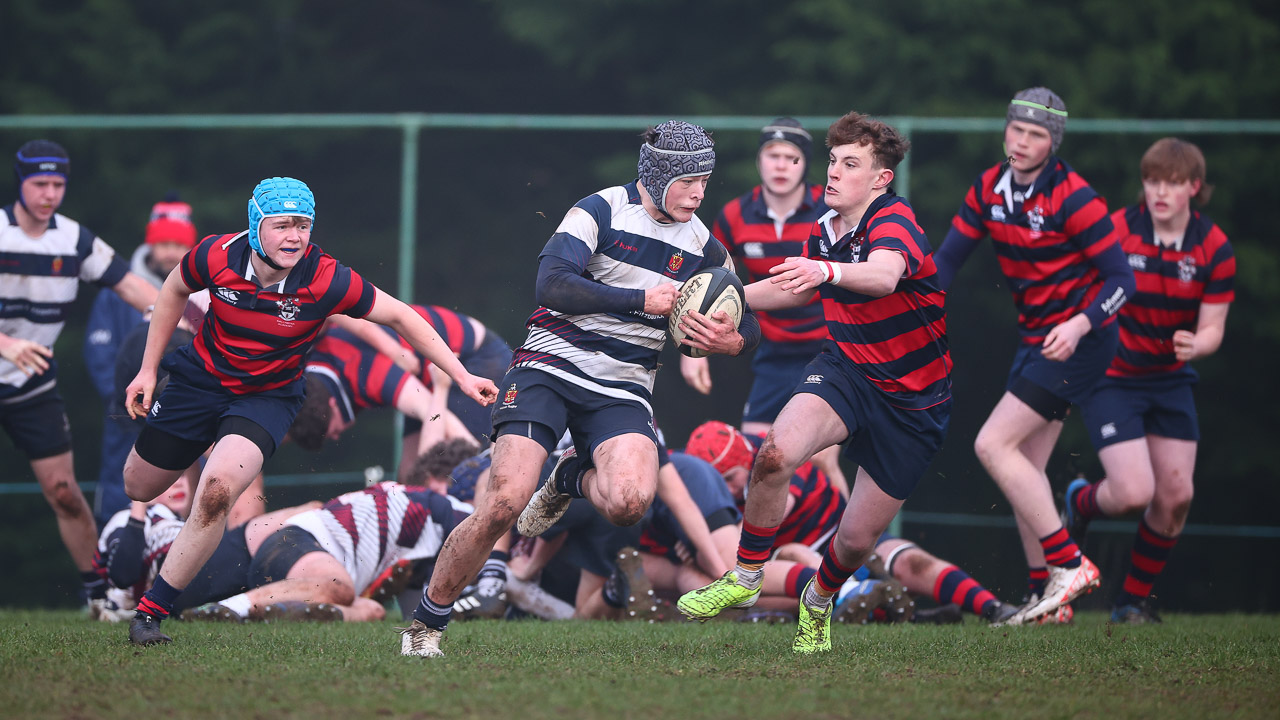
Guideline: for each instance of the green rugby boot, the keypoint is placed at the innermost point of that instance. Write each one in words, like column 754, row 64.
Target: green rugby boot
column 707, row 602
column 813, row 632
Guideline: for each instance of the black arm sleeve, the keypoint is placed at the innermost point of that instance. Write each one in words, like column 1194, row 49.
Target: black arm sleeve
column 561, row 288
column 124, row 557
column 1118, row 284
column 749, row 329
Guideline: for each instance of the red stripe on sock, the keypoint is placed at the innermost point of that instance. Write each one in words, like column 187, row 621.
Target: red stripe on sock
column 1136, row 587
column 1151, row 536
column 792, row 575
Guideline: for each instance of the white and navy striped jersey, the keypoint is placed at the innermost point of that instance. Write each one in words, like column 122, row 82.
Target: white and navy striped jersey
column 39, row 279
column 617, row 243
column 370, row 530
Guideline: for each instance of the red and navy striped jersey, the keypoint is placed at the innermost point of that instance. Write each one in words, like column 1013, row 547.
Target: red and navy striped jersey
column 817, row 510
column 899, row 341
column 256, row 338
column 752, row 235
column 458, row 331
column 1044, row 238
column 357, row 375
column 1172, row 284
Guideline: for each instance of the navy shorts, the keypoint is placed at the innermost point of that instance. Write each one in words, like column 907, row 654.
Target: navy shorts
column 593, row 541
column 194, row 404
column 490, row 360
column 225, row 574
column 541, row 406
column 38, row 425
column 893, row 445
column 709, row 493
column 279, row 553
column 778, row 368
column 1069, row 382
column 1130, row 408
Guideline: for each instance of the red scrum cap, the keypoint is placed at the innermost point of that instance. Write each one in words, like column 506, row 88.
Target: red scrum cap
column 722, row 445
column 171, row 222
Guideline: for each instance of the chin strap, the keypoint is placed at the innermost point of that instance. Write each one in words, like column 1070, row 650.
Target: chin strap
column 268, row 261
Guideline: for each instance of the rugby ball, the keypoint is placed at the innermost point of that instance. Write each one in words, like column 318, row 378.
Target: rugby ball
column 708, row 292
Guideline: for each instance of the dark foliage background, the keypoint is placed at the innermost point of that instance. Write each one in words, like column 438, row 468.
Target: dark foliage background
column 488, row 199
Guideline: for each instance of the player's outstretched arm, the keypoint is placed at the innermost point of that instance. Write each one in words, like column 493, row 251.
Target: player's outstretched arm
column 137, row 292
column 380, row 341
column 769, row 294
column 398, row 316
column 164, row 320
column 675, row 494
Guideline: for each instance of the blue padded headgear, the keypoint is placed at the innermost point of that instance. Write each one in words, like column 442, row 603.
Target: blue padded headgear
column 276, row 197
column 41, row 157
column 676, row 149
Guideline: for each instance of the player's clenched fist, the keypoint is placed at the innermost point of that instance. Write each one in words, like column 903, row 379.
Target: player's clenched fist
column 661, row 299
column 137, row 397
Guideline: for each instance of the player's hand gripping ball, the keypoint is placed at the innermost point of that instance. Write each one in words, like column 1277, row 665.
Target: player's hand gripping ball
column 706, row 292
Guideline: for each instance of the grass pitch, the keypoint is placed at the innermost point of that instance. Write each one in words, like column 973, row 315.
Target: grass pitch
column 58, row 665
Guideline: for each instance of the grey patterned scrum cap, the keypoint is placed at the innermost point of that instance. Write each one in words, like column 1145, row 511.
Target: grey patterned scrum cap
column 1040, row 106
column 676, row 149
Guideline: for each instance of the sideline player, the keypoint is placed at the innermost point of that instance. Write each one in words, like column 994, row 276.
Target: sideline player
column 44, row 256
column 239, row 384
column 169, row 235
column 1142, row 416
column 1053, row 237
column 882, row 384
column 761, row 229
column 607, row 279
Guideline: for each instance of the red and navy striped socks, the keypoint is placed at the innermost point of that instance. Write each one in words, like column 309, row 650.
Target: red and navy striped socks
column 956, row 586
column 1060, row 550
column 755, row 545
column 158, row 601
column 1150, row 553
column 831, row 572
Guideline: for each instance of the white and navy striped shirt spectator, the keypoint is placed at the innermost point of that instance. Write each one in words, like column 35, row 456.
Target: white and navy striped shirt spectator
column 39, row 279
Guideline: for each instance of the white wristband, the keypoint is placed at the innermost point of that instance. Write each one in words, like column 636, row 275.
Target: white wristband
column 835, row 273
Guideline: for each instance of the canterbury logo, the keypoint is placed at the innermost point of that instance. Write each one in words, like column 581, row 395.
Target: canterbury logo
column 813, row 380
column 290, row 204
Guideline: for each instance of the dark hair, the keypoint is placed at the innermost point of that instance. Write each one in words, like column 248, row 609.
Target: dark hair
column 311, row 425
column 440, row 459
column 888, row 146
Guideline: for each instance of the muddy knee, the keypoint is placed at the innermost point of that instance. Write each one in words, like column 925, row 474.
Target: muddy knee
column 214, row 502
column 66, row 499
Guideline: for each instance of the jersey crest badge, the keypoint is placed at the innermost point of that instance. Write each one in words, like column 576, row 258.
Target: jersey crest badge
column 1035, row 219
column 676, row 261
column 1187, row 269
column 509, row 399
column 57, row 265
column 288, row 307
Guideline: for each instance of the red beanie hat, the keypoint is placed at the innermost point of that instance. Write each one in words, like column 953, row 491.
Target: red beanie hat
column 171, row 222
column 722, row 445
